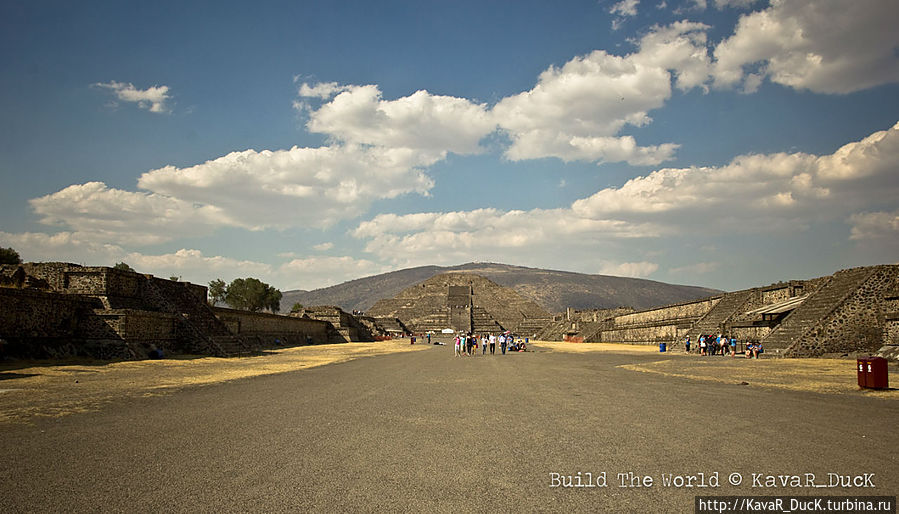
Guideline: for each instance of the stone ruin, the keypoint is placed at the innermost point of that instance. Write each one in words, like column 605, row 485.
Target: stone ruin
column 462, row 302
column 853, row 310
column 59, row 309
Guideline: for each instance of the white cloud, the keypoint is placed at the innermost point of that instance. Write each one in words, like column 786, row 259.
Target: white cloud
column 753, row 193
column 625, row 8
column 152, row 99
column 190, row 264
column 431, row 124
column 322, row 90
column 296, row 187
column 577, row 111
column 776, row 186
column 629, row 269
column 315, row 272
column 193, row 266
column 63, row 246
column 875, row 225
column 103, row 214
column 492, row 235
column 819, row 45
column 323, row 246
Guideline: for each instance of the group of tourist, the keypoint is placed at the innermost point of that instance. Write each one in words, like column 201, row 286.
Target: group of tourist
column 723, row 345
column 468, row 344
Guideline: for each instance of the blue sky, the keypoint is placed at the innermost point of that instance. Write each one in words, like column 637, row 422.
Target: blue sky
column 725, row 143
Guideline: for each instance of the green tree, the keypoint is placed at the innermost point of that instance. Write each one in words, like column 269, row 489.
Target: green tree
column 9, row 256
column 251, row 294
column 123, row 266
column 217, row 291
column 297, row 307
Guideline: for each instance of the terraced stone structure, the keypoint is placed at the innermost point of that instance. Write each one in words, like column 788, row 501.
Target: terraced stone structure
column 853, row 310
column 462, row 302
column 59, row 309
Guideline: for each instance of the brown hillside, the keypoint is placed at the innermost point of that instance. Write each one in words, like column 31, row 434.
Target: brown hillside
column 553, row 290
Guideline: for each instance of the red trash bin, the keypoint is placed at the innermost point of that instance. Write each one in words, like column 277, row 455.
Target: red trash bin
column 878, row 375
column 862, row 371
column 873, row 373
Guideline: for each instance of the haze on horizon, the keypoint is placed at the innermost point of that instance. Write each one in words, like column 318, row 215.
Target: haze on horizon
column 722, row 143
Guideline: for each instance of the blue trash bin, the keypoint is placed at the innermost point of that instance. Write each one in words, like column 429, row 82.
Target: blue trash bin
column 663, row 347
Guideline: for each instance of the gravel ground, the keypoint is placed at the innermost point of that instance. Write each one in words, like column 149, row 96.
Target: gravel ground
column 424, row 431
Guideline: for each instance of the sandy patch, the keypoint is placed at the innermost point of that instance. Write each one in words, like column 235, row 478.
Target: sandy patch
column 62, row 389
column 830, row 376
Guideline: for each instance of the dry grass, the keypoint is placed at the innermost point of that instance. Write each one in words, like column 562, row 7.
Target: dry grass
column 830, row 376
column 59, row 390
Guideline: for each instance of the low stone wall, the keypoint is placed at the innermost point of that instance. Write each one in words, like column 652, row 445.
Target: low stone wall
column 647, row 334
column 679, row 311
column 272, row 329
column 34, row 314
column 41, row 324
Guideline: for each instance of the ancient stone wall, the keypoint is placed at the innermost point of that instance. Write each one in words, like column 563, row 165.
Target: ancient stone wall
column 274, row 329
column 679, row 311
column 857, row 322
column 642, row 335
column 40, row 314
column 749, row 333
column 42, row 324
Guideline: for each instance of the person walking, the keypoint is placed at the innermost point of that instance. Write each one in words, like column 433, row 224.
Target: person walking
column 483, row 345
column 687, row 344
column 457, row 352
column 502, row 344
column 492, row 339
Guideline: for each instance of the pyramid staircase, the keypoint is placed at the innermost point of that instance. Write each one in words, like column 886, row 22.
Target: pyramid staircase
column 391, row 324
column 713, row 321
column 483, row 323
column 197, row 323
column 820, row 303
column 530, row 326
column 433, row 322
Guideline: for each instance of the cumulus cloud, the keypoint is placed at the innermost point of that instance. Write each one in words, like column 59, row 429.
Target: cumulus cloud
column 773, row 185
column 431, row 124
column 629, row 269
column 819, row 45
column 323, row 246
column 875, row 225
column 752, row 193
column 577, row 111
column 153, row 98
column 190, row 264
column 104, row 214
column 312, row 186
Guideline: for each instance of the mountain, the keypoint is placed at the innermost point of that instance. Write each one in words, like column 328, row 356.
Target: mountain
column 551, row 289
